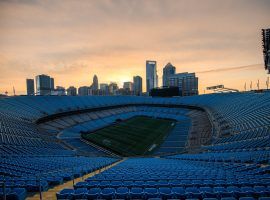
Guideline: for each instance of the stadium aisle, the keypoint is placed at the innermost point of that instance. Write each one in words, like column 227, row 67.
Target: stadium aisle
column 50, row 194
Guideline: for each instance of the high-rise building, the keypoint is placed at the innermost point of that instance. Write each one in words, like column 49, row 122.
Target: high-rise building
column 151, row 75
column 72, row 91
column 128, row 86
column 113, row 88
column 266, row 48
column 30, row 87
column 186, row 82
column 52, row 83
column 94, row 85
column 43, row 84
column 104, row 89
column 168, row 71
column 84, row 91
column 137, row 85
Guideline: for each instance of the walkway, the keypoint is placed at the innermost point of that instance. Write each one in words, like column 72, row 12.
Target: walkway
column 51, row 193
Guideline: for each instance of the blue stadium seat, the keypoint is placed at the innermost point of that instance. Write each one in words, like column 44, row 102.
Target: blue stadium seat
column 210, row 199
column 122, row 192
column 150, row 192
column 65, row 194
column 81, row 185
column 80, row 193
column 136, row 193
column 228, row 198
column 246, row 198
column 165, row 192
column 107, row 193
column 261, row 191
column 192, row 192
column 178, row 192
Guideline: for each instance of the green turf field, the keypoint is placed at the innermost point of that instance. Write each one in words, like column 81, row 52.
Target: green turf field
column 135, row 136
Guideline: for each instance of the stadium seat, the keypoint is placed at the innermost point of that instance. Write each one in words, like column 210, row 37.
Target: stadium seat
column 80, row 193
column 122, row 192
column 136, row 193
column 107, row 193
column 165, row 192
column 264, row 198
column 178, row 192
column 228, row 198
column 65, row 194
column 246, row 198
column 150, row 192
column 93, row 193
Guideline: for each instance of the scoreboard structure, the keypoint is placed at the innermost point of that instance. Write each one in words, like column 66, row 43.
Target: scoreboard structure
column 266, row 48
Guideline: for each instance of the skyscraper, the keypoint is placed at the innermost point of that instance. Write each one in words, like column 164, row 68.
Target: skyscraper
column 151, row 75
column 137, row 85
column 52, row 83
column 30, row 86
column 113, row 88
column 266, row 48
column 186, row 82
column 168, row 70
column 95, row 83
column 104, row 89
column 43, row 84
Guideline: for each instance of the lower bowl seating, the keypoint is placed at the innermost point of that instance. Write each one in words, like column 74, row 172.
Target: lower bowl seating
column 41, row 147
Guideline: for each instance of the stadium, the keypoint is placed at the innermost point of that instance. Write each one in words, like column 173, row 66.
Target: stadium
column 213, row 146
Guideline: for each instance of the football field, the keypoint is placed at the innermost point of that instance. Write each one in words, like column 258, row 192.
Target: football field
column 136, row 136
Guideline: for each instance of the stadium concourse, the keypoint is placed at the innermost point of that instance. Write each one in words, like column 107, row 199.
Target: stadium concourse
column 217, row 149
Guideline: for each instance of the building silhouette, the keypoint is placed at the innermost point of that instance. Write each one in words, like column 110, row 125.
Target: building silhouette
column 168, row 71
column 94, row 85
column 151, row 75
column 72, row 91
column 84, row 91
column 104, row 89
column 186, row 82
column 113, row 88
column 137, row 85
column 58, row 91
column 44, row 84
column 30, row 87
column 128, row 86
column 165, row 92
column 52, row 83
column 266, row 48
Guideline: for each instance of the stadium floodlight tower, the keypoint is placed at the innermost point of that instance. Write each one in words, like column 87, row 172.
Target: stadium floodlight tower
column 266, row 48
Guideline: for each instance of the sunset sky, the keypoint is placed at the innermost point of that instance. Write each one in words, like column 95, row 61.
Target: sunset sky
column 72, row 40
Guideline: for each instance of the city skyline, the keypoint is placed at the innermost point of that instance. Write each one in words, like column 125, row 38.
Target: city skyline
column 248, row 85
column 219, row 41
